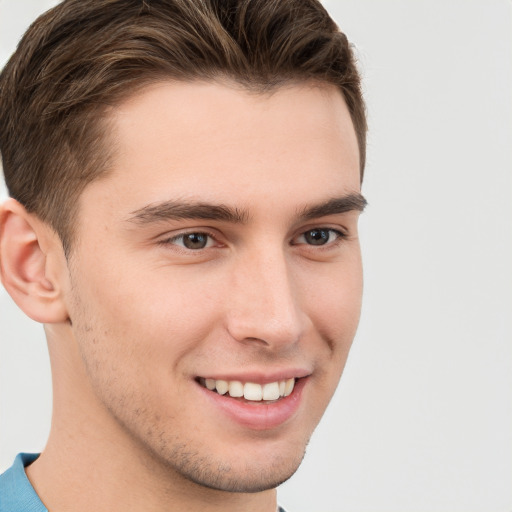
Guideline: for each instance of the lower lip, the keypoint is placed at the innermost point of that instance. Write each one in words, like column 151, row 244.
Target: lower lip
column 258, row 415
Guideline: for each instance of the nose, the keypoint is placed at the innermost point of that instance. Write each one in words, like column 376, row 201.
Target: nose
column 264, row 303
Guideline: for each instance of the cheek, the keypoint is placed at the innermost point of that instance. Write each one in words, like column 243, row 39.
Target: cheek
column 335, row 306
column 335, row 300
column 143, row 318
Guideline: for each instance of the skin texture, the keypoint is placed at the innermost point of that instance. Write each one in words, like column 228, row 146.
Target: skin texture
column 147, row 316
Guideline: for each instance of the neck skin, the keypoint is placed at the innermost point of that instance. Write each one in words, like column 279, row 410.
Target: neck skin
column 91, row 463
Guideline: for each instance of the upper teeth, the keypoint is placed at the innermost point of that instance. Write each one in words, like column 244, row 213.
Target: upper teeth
column 251, row 390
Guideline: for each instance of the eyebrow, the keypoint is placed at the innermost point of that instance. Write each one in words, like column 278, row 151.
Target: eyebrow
column 179, row 210
column 337, row 205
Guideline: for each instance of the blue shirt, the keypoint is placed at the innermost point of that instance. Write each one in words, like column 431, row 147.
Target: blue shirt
column 16, row 492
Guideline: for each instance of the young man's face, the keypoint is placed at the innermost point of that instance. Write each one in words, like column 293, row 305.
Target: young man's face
column 219, row 250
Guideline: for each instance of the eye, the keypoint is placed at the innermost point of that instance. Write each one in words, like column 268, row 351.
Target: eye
column 192, row 241
column 319, row 236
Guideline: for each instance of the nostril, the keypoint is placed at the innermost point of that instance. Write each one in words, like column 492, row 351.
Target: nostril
column 253, row 340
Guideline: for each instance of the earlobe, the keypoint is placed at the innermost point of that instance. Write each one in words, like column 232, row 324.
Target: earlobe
column 26, row 248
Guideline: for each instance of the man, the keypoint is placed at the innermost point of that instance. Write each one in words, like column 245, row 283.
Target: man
column 185, row 191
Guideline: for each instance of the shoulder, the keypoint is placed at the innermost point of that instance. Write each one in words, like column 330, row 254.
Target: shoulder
column 16, row 492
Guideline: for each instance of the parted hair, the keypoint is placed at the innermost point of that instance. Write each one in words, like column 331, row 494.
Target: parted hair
column 83, row 57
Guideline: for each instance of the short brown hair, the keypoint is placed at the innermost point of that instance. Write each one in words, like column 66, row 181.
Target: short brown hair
column 86, row 55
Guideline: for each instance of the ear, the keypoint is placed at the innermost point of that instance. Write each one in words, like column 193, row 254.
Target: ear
column 31, row 260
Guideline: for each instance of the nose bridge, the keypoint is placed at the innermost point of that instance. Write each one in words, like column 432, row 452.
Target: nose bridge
column 264, row 304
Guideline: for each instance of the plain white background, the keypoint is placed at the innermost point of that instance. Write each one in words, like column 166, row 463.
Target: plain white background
column 422, row 419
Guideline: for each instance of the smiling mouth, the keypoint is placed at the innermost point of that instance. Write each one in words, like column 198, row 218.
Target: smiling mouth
column 251, row 391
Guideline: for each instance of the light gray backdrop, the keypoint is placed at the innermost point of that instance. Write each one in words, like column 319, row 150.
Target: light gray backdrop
column 422, row 420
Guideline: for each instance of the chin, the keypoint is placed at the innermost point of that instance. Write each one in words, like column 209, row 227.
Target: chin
column 239, row 475
column 246, row 480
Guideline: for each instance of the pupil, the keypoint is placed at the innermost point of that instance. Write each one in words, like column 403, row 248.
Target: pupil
column 195, row 241
column 317, row 236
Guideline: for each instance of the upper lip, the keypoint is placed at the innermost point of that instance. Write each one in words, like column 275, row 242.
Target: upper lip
column 259, row 377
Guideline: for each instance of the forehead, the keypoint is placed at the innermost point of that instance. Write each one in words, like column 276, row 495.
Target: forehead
column 218, row 142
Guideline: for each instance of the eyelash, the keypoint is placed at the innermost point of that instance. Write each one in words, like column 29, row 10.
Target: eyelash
column 172, row 240
column 340, row 236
